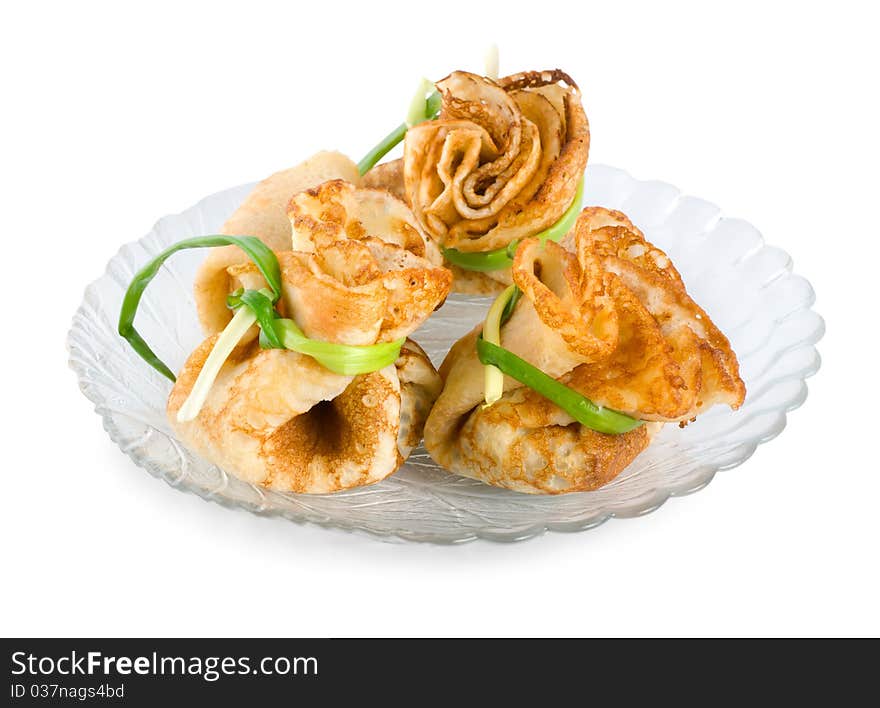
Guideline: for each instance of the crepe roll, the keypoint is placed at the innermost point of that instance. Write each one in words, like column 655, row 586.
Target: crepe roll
column 278, row 418
column 605, row 313
column 501, row 163
column 262, row 214
column 338, row 209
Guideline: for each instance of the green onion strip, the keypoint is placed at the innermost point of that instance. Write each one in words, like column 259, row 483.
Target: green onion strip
column 502, row 258
column 251, row 307
column 582, row 409
column 344, row 359
column 255, row 249
column 493, row 381
column 499, row 361
column 238, row 326
column 420, row 110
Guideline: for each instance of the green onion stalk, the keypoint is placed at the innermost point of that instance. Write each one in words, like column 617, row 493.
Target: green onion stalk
column 493, row 381
column 421, row 109
column 241, row 322
column 256, row 250
column 251, row 307
column 499, row 361
column 502, row 258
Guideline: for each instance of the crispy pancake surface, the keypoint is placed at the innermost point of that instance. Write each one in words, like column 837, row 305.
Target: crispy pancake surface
column 338, row 210
column 262, row 214
column 502, row 162
column 671, row 362
column 606, row 313
column 279, row 419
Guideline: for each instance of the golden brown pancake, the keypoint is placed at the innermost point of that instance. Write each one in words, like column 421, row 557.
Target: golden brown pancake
column 607, row 314
column 278, row 418
column 337, row 209
column 262, row 214
column 387, row 176
column 501, row 163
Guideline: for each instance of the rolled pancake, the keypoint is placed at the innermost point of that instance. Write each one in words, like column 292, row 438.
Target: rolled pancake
column 699, row 367
column 337, row 209
column 262, row 214
column 353, row 292
column 501, row 163
column 279, row 419
column 607, row 314
column 345, row 236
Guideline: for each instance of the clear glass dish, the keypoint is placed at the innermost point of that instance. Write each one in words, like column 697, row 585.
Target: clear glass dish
column 747, row 287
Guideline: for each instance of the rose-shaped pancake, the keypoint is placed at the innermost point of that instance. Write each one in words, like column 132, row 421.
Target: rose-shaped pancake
column 700, row 369
column 332, row 212
column 338, row 210
column 278, row 418
column 607, row 314
column 262, row 214
column 501, row 163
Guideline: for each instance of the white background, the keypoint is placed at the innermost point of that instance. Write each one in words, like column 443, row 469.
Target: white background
column 114, row 115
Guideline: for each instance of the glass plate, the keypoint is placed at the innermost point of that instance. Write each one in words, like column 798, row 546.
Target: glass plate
column 747, row 287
